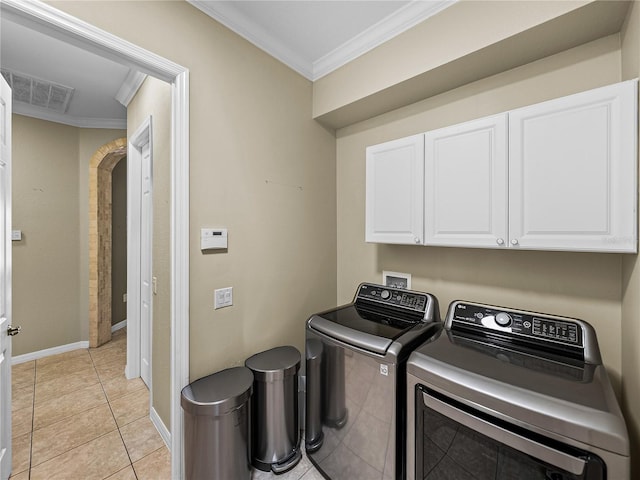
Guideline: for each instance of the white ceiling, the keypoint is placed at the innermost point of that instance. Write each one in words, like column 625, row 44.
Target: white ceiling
column 95, row 79
column 313, row 37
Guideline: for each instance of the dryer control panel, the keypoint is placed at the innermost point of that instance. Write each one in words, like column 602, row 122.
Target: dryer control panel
column 526, row 325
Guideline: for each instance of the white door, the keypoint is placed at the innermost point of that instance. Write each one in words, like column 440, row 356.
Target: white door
column 394, row 191
column 572, row 172
column 5, row 279
column 146, row 290
column 466, row 184
column 139, row 253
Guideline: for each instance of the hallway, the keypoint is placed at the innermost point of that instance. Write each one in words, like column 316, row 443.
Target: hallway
column 76, row 416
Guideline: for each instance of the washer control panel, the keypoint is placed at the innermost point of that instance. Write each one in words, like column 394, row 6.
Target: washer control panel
column 518, row 323
column 393, row 297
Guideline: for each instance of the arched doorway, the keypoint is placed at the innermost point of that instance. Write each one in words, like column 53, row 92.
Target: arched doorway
column 100, row 168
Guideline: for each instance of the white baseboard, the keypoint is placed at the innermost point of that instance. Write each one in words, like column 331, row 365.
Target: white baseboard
column 27, row 357
column 119, row 325
column 161, row 427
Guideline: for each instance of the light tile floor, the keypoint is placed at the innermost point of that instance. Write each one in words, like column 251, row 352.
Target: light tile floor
column 76, row 417
column 304, row 470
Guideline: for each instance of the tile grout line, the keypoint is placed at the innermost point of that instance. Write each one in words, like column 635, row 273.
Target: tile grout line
column 102, row 382
column 31, row 466
column 115, row 420
column 66, row 418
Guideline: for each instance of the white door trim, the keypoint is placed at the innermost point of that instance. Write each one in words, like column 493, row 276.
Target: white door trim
column 5, row 283
column 45, row 18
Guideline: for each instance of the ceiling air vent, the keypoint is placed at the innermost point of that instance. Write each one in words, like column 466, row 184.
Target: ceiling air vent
column 37, row 92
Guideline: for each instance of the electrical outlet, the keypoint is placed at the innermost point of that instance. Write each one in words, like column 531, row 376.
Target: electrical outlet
column 223, row 297
column 124, row 298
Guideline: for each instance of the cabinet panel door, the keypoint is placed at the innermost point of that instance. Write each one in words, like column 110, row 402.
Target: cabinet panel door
column 466, row 184
column 394, row 198
column 572, row 177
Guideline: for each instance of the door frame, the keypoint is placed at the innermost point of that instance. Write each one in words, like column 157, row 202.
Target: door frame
column 135, row 250
column 49, row 20
column 5, row 359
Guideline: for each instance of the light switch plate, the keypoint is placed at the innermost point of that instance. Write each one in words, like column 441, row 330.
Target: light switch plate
column 223, row 297
column 16, row 235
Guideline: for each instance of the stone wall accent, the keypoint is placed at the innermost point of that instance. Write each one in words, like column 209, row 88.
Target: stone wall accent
column 100, row 167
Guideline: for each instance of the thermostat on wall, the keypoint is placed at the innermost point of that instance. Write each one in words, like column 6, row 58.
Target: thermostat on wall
column 213, row 238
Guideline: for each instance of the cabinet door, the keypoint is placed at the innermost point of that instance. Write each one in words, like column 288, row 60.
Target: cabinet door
column 394, row 198
column 466, row 184
column 572, row 172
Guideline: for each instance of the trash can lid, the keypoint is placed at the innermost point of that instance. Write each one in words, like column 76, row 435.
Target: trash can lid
column 218, row 393
column 274, row 364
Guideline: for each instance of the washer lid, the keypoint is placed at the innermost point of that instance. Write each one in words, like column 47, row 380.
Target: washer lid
column 525, row 390
column 218, row 393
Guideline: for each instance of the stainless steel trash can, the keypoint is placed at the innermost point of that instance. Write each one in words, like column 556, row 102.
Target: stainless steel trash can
column 274, row 420
column 313, row 400
column 217, row 443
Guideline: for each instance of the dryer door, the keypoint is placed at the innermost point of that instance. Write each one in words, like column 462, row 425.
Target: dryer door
column 456, row 441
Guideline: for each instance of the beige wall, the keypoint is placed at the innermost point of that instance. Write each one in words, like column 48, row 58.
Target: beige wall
column 429, row 45
column 631, row 273
column 154, row 99
column 118, row 241
column 581, row 285
column 260, row 166
column 438, row 55
column 50, row 264
column 600, row 288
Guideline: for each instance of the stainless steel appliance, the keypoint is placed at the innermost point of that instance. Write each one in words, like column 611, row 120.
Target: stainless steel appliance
column 355, row 367
column 509, row 394
column 275, row 432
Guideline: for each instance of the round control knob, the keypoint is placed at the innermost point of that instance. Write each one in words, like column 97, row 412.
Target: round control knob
column 385, row 294
column 503, row 319
column 416, row 239
column 514, row 241
column 500, row 241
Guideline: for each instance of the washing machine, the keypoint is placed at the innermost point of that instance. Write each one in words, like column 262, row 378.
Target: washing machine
column 501, row 393
column 356, row 356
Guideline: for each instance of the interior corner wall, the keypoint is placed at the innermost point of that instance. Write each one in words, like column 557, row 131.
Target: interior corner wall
column 50, row 264
column 582, row 285
column 154, row 99
column 630, row 334
column 259, row 165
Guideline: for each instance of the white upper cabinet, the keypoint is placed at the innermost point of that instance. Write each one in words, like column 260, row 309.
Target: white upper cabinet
column 394, row 196
column 558, row 175
column 572, row 172
column 466, row 184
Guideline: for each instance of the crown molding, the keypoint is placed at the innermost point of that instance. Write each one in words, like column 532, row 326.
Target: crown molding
column 58, row 24
column 71, row 120
column 255, row 34
column 130, row 87
column 398, row 22
column 389, row 27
